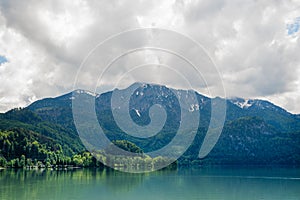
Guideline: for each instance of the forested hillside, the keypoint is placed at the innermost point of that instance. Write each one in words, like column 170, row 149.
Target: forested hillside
column 255, row 132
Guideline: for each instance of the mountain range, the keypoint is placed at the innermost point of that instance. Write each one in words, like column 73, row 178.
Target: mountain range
column 255, row 132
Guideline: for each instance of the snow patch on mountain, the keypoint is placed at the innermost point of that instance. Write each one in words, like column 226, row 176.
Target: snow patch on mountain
column 242, row 103
column 137, row 112
column 86, row 92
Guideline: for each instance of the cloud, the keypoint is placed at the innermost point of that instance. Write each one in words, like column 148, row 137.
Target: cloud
column 46, row 42
column 249, row 42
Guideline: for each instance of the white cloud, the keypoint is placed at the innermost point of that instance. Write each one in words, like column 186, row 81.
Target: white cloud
column 45, row 42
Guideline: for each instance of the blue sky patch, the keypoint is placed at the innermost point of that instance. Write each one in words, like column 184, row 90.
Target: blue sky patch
column 3, row 59
column 294, row 27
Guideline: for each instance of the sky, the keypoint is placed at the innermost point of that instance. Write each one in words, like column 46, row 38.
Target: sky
column 252, row 45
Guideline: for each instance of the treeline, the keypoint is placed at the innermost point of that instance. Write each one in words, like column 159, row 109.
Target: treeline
column 136, row 163
column 132, row 162
column 84, row 159
column 23, row 148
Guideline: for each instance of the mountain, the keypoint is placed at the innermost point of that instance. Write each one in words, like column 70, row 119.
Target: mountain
column 254, row 132
column 252, row 141
column 272, row 114
column 59, row 110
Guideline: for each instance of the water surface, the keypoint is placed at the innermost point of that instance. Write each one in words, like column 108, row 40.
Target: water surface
column 206, row 183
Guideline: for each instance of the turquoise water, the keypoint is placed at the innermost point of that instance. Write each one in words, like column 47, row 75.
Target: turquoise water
column 208, row 183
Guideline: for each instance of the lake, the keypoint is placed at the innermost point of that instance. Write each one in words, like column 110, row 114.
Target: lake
column 204, row 183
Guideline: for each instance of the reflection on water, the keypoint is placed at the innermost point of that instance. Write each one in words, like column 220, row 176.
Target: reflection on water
column 205, row 183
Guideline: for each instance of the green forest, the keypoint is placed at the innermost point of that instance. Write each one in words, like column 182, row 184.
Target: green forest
column 20, row 148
